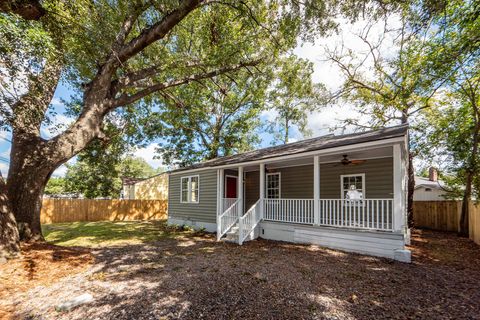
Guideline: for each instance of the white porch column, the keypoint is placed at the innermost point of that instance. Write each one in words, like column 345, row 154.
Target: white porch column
column 262, row 188
column 240, row 191
column 316, row 190
column 398, row 189
column 219, row 203
column 221, row 187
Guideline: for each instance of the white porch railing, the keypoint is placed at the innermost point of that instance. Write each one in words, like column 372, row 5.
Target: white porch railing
column 227, row 219
column 375, row 214
column 371, row 214
column 289, row 210
column 227, row 203
column 248, row 222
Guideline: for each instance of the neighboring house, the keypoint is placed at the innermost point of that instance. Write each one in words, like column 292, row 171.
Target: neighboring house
column 344, row 192
column 429, row 189
column 153, row 188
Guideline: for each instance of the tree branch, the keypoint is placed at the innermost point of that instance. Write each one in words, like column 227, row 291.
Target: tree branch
column 158, row 30
column 125, row 99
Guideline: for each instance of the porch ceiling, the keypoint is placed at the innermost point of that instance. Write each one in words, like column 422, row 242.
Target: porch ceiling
column 353, row 154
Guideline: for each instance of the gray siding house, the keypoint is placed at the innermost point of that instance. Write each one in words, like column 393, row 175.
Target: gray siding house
column 344, row 192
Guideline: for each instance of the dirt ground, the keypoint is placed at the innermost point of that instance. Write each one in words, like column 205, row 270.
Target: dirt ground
column 195, row 277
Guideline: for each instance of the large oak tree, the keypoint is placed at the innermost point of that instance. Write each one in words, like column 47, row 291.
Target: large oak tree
column 118, row 54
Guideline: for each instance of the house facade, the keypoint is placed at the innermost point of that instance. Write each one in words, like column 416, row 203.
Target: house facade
column 343, row 192
column 152, row 188
column 429, row 189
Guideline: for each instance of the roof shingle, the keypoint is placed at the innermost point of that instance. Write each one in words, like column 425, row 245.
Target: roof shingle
column 313, row 144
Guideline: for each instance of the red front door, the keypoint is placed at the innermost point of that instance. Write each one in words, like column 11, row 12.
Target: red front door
column 231, row 187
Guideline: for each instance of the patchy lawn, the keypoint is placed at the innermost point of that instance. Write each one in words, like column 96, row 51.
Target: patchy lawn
column 175, row 274
column 105, row 233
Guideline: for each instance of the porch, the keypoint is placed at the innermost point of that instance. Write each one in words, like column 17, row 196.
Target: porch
column 367, row 196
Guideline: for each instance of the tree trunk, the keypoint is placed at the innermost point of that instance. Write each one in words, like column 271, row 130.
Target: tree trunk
column 467, row 194
column 30, row 169
column 9, row 239
column 465, row 215
column 411, row 176
column 287, row 125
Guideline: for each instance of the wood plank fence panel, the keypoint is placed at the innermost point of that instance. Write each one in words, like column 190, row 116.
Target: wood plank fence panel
column 445, row 216
column 71, row 210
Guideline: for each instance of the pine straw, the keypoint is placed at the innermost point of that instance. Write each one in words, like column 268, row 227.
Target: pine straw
column 41, row 264
column 195, row 277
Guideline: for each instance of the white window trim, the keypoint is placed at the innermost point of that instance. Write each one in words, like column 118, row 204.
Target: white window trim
column 342, row 189
column 189, row 190
column 225, row 184
column 279, row 174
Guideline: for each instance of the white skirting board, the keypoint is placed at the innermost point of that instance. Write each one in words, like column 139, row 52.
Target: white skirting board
column 210, row 227
column 380, row 244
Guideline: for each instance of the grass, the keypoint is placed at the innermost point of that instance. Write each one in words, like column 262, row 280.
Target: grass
column 107, row 233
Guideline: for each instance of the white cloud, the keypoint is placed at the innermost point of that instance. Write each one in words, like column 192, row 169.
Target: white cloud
column 56, row 102
column 326, row 72
column 5, row 153
column 148, row 153
column 4, row 168
column 62, row 170
column 269, row 115
column 5, row 135
column 57, row 125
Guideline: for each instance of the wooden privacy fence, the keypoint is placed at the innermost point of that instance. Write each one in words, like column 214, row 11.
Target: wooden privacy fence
column 445, row 216
column 71, row 210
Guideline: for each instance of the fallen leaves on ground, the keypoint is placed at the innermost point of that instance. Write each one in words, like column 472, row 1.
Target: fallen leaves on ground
column 195, row 277
column 41, row 264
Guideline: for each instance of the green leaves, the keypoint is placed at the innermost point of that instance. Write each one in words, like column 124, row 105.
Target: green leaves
column 212, row 118
column 293, row 96
column 98, row 174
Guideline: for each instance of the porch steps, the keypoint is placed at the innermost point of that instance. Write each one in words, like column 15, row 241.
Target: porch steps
column 232, row 235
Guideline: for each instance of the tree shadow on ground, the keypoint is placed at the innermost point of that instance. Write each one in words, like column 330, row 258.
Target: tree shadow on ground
column 194, row 277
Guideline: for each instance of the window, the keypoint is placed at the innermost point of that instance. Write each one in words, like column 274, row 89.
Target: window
column 353, row 186
column 273, row 185
column 189, row 189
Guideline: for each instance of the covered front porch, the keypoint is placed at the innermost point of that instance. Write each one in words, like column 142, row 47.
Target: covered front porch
column 319, row 190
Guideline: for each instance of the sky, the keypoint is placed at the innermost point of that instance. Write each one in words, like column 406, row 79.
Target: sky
column 320, row 122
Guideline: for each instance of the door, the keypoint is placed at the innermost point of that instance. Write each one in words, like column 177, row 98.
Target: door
column 230, row 187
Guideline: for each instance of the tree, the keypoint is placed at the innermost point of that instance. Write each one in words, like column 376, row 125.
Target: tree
column 56, row 186
column 98, row 171
column 9, row 246
column 293, row 97
column 119, row 55
column 454, row 131
column 207, row 120
column 399, row 88
column 27, row 9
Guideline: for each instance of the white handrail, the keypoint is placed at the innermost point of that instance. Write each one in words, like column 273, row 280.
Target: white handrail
column 227, row 203
column 227, row 219
column 248, row 222
column 289, row 210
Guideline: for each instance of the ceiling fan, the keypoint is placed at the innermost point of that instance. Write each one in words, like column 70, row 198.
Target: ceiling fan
column 346, row 162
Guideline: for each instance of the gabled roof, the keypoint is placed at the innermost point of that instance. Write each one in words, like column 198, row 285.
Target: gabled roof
column 313, row 144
